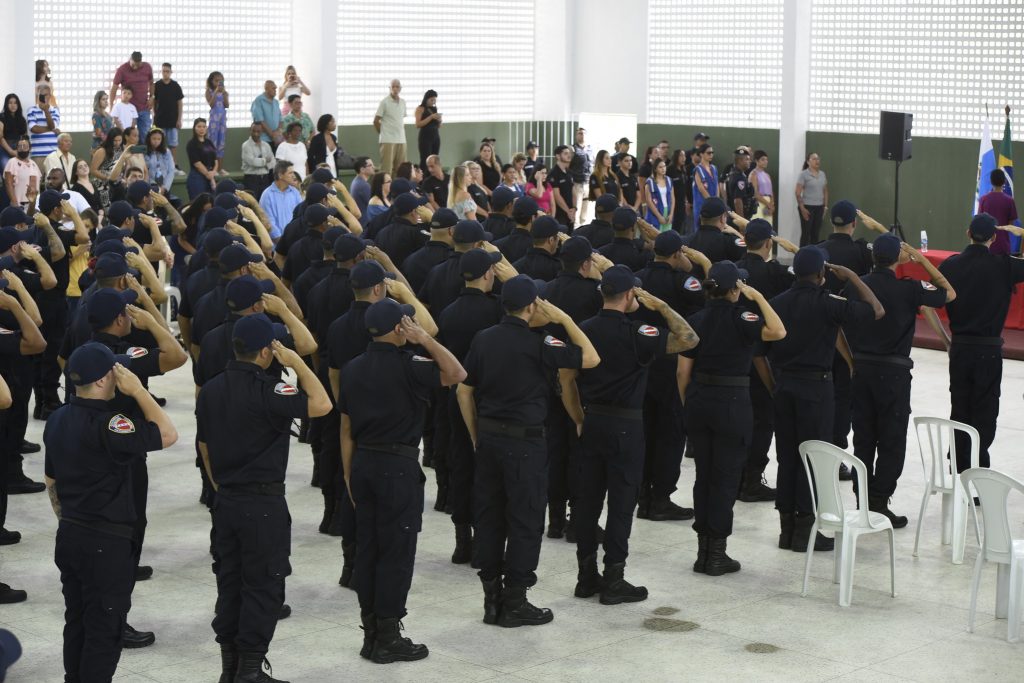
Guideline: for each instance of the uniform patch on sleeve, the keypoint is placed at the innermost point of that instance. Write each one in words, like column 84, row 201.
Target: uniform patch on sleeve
column 692, row 284
column 119, row 424
column 137, row 352
column 741, row 184
column 422, row 359
column 648, row 331
column 740, row 242
column 4, row 330
column 750, row 317
column 285, row 389
column 928, row 286
column 552, row 341
column 790, row 270
column 836, row 296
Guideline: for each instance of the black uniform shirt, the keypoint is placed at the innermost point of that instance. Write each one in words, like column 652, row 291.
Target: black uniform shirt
column 217, row 350
column 418, row 264
column 479, row 196
column 459, row 322
column 400, row 239
column 89, row 451
column 843, row 250
column 717, row 245
column 144, row 363
column 347, row 336
column 737, row 186
column 438, row 189
column 61, row 268
column 812, row 317
column 499, row 225
column 443, row 284
column 893, row 333
column 306, row 250
column 10, row 350
column 561, row 181
column 599, row 232
column 984, row 284
column 627, row 348
column 512, row 370
column 384, row 392
column 328, row 301
column 515, row 245
column 626, row 252
column 529, row 167
column 291, row 234
column 771, row 278
column 210, row 310
column 576, row 295
column 538, row 264
column 728, row 334
column 680, row 290
column 244, row 417
column 629, row 184
column 301, row 287
column 198, row 283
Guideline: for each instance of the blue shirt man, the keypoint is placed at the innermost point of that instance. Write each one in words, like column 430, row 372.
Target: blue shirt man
column 279, row 200
column 266, row 111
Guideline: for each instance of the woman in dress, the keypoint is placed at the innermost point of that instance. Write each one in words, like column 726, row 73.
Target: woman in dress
column 428, row 121
column 380, row 188
column 82, row 184
column 217, row 125
column 459, row 199
column 705, row 180
column 202, row 161
column 108, row 161
column 659, row 198
column 540, row 189
column 291, row 84
column 102, row 121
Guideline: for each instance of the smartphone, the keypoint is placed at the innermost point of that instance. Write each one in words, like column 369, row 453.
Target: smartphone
column 42, row 99
column 137, row 149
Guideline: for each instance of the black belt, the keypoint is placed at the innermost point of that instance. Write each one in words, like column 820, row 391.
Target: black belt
column 516, row 431
column 901, row 361
column 817, row 375
column 614, row 411
column 120, row 530
column 392, row 448
column 269, row 489
column 977, row 341
column 721, row 380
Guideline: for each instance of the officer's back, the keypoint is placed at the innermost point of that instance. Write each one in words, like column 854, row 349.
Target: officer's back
column 573, row 290
column 600, row 231
column 624, row 250
column 665, row 279
column 841, row 248
column 403, row 235
column 475, row 308
column 709, row 238
column 764, row 274
column 332, row 296
column 417, row 265
column 445, row 281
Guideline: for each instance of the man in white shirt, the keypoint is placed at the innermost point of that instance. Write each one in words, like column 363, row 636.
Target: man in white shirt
column 124, row 112
column 61, row 158
column 292, row 150
column 257, row 161
column 389, row 122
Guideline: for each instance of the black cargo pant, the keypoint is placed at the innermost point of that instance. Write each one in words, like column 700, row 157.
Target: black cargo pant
column 841, row 388
column 881, row 412
column 803, row 410
column 460, row 464
column 763, row 427
column 562, row 447
column 252, row 540
column 53, row 309
column 975, row 375
column 664, row 434
column 96, row 571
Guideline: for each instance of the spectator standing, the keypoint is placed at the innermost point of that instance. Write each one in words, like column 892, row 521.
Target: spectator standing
column 266, row 113
column 43, row 120
column 12, row 127
column 360, row 187
column 61, row 157
column 659, row 197
column 622, row 150
column 582, row 167
column 138, row 75
column 279, row 200
column 812, row 198
column 43, row 78
column 705, row 180
column 102, row 122
column 532, row 160
column 739, row 193
column 761, row 181
column 603, row 180
column 291, row 85
column 390, row 126
column 1000, row 206
column 217, row 127
column 22, row 176
column 626, row 176
column 324, row 149
column 168, row 101
column 292, row 149
column 296, row 115
column 677, row 174
column 108, row 163
column 257, row 161
column 428, row 121
column 540, row 189
column 159, row 161
column 124, row 112
column 561, row 182
column 202, row 161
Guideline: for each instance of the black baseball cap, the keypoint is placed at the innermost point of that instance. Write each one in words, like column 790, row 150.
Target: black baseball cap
column 368, row 273
column 698, row 136
column 120, row 211
column 322, row 175
column 618, row 279
column 137, row 191
column 521, row 291
column 843, row 212
column 256, row 332
column 9, row 236
column 401, row 186
column 502, row 197
column 229, row 202
column 314, row 215
column 607, row 203
column 226, row 186
column 215, row 240
column 382, row 317
column 758, row 230
column 443, row 219
column 726, row 274
column 668, row 243
column 106, row 304
column 532, row 144
column 217, row 217
column 809, row 260
column 245, row 291
column 544, row 227
column 524, row 207
column 331, row 236
column 623, row 218
column 234, row 256
column 470, row 232
column 51, row 199
column 713, row 208
column 112, row 264
column 476, row 262
column 316, row 193
column 983, row 226
column 407, row 202
column 576, row 249
column 624, row 141
column 92, row 361
column 111, row 247
column 14, row 215
column 887, row 247
column 348, row 246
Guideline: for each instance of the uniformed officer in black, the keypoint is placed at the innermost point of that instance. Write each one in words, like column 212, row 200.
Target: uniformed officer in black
column 319, row 268
column 383, row 404
column 332, row 296
column 243, row 420
column 802, row 363
column 475, row 309
column 309, row 247
column 668, row 278
column 515, row 245
column 881, row 356
column 626, row 174
column 499, row 219
column 540, row 262
column 234, row 261
column 417, row 265
column 609, row 414
column 770, row 278
column 624, row 249
column 90, row 449
column 984, row 283
column 714, row 238
column 716, row 374
column 504, row 401
column 600, row 231
column 445, row 281
column 562, row 183
column 738, row 189
column 404, row 235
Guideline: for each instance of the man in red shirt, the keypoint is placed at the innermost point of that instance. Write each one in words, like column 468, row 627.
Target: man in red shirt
column 1000, row 206
column 138, row 75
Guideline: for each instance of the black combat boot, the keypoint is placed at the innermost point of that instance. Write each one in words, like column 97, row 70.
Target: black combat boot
column 250, row 669
column 336, row 527
column 463, row 544
column 718, row 562
column 556, row 520
column 441, row 503
column 881, row 505
column 802, row 524
column 325, row 523
column 616, row 589
column 369, row 627
column 588, row 581
column 786, row 533
column 390, row 646
column 228, row 663
column 492, row 599
column 662, row 509
column 348, row 556
column 516, row 610
column 702, row 553
column 756, row 490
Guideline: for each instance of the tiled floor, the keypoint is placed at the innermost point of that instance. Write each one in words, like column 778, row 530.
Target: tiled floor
column 692, row 626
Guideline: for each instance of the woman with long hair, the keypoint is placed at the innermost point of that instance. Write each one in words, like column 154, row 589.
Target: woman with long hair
column 202, row 161
column 186, row 242
column 478, row 190
column 291, row 84
column 490, row 170
column 677, row 174
column 603, row 180
column 705, row 180
column 43, row 80
column 81, row 183
column 102, row 121
column 380, row 189
column 159, row 161
column 659, row 197
column 428, row 121
column 217, row 125
column 107, row 165
column 323, row 147
column 134, row 159
column 12, row 126
column 540, row 189
column 459, row 199
column 812, row 198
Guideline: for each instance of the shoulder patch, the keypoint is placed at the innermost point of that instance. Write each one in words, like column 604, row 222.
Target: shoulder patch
column 740, row 242
column 741, row 184
column 928, row 286
column 137, row 352
column 692, row 284
column 119, row 424
column 285, row 389
column 552, row 341
column 422, row 359
column 871, row 246
column 4, row 330
column 750, row 317
column 648, row 331
column 790, row 270
column 836, row 296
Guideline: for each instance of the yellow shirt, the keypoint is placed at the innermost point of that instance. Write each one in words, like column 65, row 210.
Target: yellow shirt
column 78, row 265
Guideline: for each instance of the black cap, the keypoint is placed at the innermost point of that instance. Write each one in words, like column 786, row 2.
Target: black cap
column 618, row 279
column 137, row 191
column 624, row 141
column 470, row 232
column 443, row 218
column 14, row 215
column 843, row 212
column 401, row 186
column 226, row 186
column 120, row 211
column 92, row 361
column 544, row 227
column 314, row 215
column 106, row 304
column 524, row 207
column 111, row 247
column 532, row 144
column 331, row 236
column 316, row 193
column 758, row 230
column 215, row 240
column 809, row 260
column 50, row 200
column 234, row 256
column 701, row 135
column 368, row 273
column 983, row 227
column 476, row 262
column 228, row 202
column 887, row 247
column 502, row 197
column 725, row 274
column 10, row 651
column 406, row 203
column 112, row 264
column 576, row 249
column 521, row 291
column 713, row 208
column 9, row 236
column 382, row 317
column 216, row 218
column 668, row 243
column 322, row 175
column 348, row 246
column 245, row 291
column 607, row 203
column 624, row 218
column 111, row 232
column 256, row 332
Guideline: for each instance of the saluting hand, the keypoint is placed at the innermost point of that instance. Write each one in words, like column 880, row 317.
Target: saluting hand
column 748, row 291
column 285, row 356
column 141, row 318
column 13, row 281
column 7, row 302
column 413, row 332
column 135, row 286
column 127, row 382
column 158, row 198
column 398, row 291
column 842, row 272
column 273, row 305
column 646, row 299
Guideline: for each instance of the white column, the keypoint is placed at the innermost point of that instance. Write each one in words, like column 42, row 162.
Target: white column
column 313, row 52
column 609, row 72
column 17, row 69
column 796, row 76
column 553, row 36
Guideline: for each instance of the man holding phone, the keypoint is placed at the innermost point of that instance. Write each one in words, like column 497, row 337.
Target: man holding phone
column 43, row 125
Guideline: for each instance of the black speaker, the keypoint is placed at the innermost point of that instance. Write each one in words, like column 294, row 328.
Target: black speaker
column 894, row 138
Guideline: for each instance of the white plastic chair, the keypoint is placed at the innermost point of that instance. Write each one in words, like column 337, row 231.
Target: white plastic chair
column 1000, row 547
column 937, row 446
column 831, row 515
column 171, row 306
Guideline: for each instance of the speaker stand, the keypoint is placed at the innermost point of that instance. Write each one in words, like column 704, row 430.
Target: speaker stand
column 896, row 228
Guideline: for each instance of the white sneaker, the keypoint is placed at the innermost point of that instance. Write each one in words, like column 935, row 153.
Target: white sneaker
column 178, row 171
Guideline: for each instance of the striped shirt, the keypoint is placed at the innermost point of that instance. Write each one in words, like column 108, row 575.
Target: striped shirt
column 42, row 143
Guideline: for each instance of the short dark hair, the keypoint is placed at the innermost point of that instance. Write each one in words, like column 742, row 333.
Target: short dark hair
column 997, row 178
column 281, row 168
column 880, row 261
column 561, row 148
column 759, row 154
column 404, row 170
column 167, row 64
column 125, row 86
column 512, row 311
column 754, row 246
column 361, row 163
column 291, row 126
column 612, row 298
column 238, row 346
column 293, row 97
column 571, row 266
